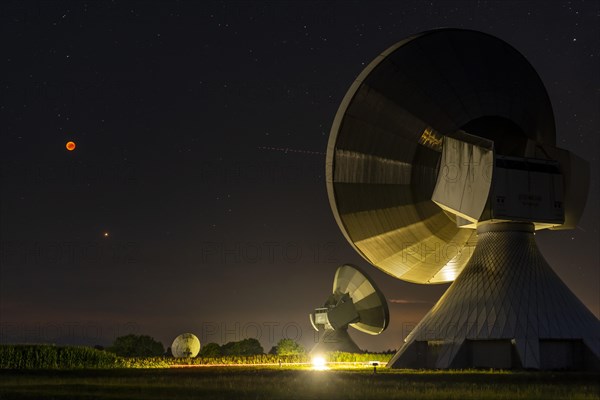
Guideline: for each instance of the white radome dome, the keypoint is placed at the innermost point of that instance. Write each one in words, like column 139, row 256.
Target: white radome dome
column 185, row 345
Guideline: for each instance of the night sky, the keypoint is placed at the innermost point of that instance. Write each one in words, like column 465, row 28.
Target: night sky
column 195, row 199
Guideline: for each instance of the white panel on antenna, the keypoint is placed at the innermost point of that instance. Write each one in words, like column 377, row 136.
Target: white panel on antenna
column 464, row 178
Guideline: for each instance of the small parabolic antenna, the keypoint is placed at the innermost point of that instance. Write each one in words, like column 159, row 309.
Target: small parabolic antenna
column 355, row 301
column 441, row 165
column 185, row 345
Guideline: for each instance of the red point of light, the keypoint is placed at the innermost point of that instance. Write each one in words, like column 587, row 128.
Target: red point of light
column 70, row 146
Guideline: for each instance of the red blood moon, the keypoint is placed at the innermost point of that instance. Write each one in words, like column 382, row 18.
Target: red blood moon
column 70, row 146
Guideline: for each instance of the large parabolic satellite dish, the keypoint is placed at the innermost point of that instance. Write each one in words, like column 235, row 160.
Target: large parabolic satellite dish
column 441, row 163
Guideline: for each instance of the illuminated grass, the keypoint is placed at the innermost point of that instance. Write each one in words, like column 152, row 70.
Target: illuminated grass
column 45, row 356
column 298, row 382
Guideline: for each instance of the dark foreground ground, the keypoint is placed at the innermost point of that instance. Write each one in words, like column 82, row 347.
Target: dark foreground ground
column 293, row 383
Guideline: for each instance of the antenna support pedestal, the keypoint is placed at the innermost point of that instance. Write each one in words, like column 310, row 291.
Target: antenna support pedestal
column 507, row 309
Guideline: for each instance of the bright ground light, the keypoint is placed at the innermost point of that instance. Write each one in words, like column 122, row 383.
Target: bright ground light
column 319, row 363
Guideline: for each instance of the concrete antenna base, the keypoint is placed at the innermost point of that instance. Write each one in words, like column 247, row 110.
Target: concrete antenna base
column 507, row 309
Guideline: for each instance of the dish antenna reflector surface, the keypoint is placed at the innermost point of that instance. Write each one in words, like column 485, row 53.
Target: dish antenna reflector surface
column 355, row 301
column 445, row 139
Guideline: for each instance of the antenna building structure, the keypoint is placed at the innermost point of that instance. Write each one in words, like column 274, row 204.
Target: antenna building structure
column 441, row 166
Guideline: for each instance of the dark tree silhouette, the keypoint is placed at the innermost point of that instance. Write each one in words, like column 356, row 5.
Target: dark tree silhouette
column 246, row 347
column 210, row 350
column 137, row 346
column 288, row 347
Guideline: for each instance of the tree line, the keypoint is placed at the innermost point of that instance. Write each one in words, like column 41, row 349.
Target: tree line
column 146, row 346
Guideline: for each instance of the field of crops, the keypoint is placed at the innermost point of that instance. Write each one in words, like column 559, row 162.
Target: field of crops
column 70, row 357
column 48, row 372
column 54, row 357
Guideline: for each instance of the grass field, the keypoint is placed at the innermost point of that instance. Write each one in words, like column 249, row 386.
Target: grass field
column 293, row 383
